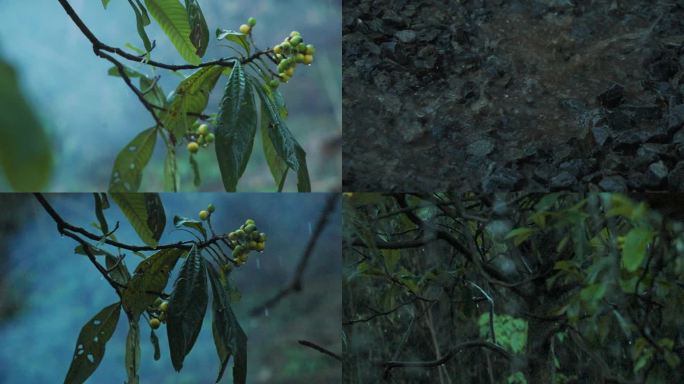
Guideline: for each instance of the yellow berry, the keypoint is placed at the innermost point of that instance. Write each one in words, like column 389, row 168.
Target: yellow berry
column 260, row 246
column 299, row 58
column 164, row 306
column 193, row 147
column 252, row 245
column 310, row 49
column 154, row 323
column 278, row 49
column 284, row 78
column 308, row 59
column 244, row 28
column 203, row 129
column 290, row 72
column 203, row 215
column 262, row 237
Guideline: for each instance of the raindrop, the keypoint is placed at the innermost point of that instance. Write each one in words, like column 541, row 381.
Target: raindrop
column 97, row 322
column 266, row 313
column 91, row 358
column 258, row 263
column 96, row 339
column 309, row 228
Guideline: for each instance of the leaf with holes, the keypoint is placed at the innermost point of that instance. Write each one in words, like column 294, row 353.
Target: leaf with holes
column 149, row 280
column 130, row 162
column 236, row 127
column 187, row 306
column 189, row 99
column 90, row 345
column 229, row 338
column 173, row 19
column 145, row 212
column 199, row 35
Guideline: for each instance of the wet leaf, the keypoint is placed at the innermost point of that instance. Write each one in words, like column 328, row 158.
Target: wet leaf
column 145, row 212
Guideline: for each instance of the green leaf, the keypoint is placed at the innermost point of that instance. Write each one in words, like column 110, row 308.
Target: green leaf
column 133, row 352
column 236, row 127
column 152, row 91
column 276, row 165
column 145, row 212
column 634, row 247
column 105, row 3
column 99, row 206
column 27, row 165
column 90, row 345
column 283, row 141
column 199, row 35
column 189, row 99
column 141, row 19
column 173, row 19
column 130, row 162
column 132, row 73
column 190, row 223
column 149, row 280
column 234, row 36
column 187, row 306
column 118, row 271
column 229, row 338
column 155, row 344
column 197, row 180
column 170, row 171
column 519, row 235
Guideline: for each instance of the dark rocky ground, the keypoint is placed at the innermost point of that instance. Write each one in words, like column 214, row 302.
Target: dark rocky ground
column 513, row 95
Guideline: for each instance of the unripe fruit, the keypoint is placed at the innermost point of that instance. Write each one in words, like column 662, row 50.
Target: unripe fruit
column 255, row 236
column 203, row 129
column 211, row 208
column 250, row 228
column 227, row 267
column 157, row 302
column 251, row 21
column 193, row 147
column 244, row 28
column 274, row 83
column 210, row 138
column 164, row 306
column 238, row 251
column 290, row 72
column 310, row 49
column 284, row 78
column 308, row 59
column 250, row 221
column 278, row 49
column 299, row 58
column 295, row 33
column 294, row 41
column 240, row 234
column 203, row 215
column 154, row 323
column 252, row 245
column 200, row 140
column 260, row 246
column 262, row 237
column 232, row 236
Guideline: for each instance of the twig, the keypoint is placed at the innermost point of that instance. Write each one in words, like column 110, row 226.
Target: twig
column 448, row 356
column 320, row 349
column 295, row 284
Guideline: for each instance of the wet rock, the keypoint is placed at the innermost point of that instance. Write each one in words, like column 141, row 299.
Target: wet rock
column 676, row 117
column 575, row 167
column 563, row 180
column 613, row 184
column 480, row 148
column 602, row 134
column 675, row 179
column 612, row 97
column 502, row 180
column 406, row 36
column 656, row 174
column 650, row 152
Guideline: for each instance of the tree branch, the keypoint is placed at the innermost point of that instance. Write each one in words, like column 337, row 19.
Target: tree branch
column 320, row 349
column 295, row 284
column 388, row 365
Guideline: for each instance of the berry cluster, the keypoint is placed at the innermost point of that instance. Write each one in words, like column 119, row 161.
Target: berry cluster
column 245, row 240
column 200, row 137
column 158, row 312
column 289, row 53
column 204, row 214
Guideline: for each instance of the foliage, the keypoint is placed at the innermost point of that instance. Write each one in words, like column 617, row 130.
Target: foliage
column 142, row 293
column 181, row 119
column 582, row 288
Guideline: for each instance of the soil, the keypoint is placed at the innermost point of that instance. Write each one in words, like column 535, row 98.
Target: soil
column 513, row 95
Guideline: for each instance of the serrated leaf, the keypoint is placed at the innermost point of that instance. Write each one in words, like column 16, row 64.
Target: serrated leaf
column 173, row 19
column 179, row 221
column 27, row 165
column 199, row 32
column 234, row 36
column 90, row 345
column 229, row 338
column 141, row 20
column 133, row 352
column 150, row 279
column 130, row 162
column 283, row 141
column 236, row 127
column 634, row 247
column 187, row 306
column 145, row 212
column 189, row 99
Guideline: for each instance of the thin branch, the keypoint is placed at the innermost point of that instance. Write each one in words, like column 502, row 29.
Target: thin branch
column 295, row 284
column 388, row 365
column 320, row 349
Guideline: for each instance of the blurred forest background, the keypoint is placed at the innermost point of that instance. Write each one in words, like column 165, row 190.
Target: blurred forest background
column 47, row 292
column 513, row 288
column 90, row 116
